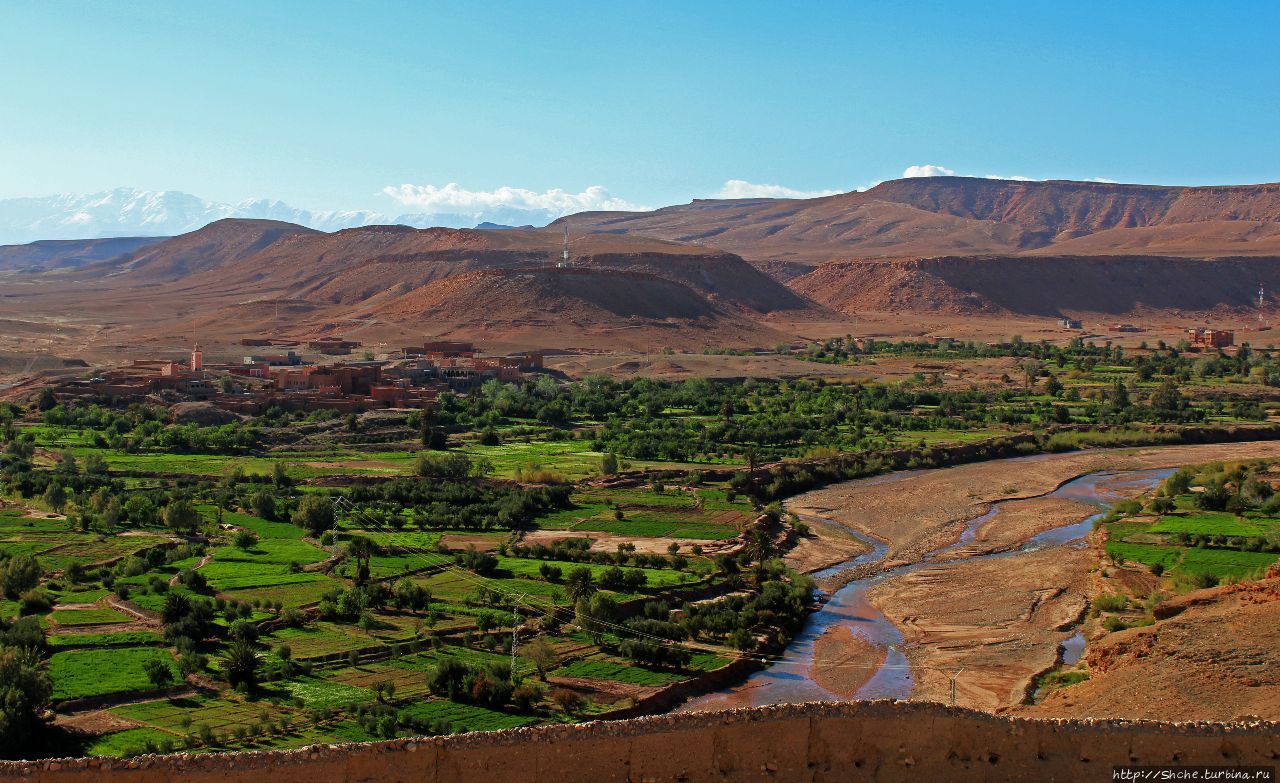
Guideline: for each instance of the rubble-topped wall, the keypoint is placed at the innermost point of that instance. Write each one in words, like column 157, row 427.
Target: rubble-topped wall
column 881, row 741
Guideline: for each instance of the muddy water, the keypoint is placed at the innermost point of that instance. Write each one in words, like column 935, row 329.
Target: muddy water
column 847, row 610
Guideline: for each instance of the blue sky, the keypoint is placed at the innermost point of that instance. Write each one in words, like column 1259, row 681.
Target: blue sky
column 324, row 105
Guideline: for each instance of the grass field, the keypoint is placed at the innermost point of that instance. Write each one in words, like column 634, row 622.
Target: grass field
column 1224, row 546
column 411, row 540
column 428, row 659
column 182, row 715
column 292, row 594
column 74, row 617
column 274, row 551
column 123, row 639
column 646, row 522
column 1214, row 523
column 618, row 670
column 120, row 743
column 657, row 578
column 468, row 717
column 322, row 638
column 319, row 693
column 91, row 596
column 265, row 529
column 572, row 459
column 238, row 574
column 79, row 674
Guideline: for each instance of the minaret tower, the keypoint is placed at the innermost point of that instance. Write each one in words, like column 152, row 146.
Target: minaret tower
column 197, row 358
column 565, row 255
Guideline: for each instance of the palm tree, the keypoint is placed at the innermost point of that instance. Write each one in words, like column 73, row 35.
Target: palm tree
column 579, row 585
column 759, row 545
column 241, row 664
column 1030, row 371
column 360, row 549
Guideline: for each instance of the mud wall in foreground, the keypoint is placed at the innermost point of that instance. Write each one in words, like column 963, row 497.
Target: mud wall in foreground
column 881, row 741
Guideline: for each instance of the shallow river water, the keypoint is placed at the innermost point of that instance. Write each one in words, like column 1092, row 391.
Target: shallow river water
column 790, row 679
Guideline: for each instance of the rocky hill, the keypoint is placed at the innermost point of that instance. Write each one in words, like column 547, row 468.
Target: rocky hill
column 963, row 215
column 1211, row 655
column 68, row 253
column 1041, row 285
column 235, row 275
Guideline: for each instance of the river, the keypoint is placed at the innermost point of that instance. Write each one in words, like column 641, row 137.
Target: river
column 791, row 680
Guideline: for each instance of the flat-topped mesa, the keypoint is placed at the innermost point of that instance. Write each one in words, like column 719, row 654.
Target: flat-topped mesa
column 1041, row 285
column 928, row 216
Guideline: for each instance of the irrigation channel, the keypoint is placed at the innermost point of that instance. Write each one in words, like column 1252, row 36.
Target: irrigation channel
column 790, row 679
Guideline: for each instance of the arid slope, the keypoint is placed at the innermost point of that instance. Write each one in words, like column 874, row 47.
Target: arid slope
column 1041, row 285
column 964, row 215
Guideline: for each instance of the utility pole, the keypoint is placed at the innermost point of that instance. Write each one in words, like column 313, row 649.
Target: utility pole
column 515, row 634
column 954, row 677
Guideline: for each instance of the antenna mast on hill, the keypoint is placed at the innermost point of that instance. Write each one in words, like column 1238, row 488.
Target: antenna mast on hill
column 565, row 255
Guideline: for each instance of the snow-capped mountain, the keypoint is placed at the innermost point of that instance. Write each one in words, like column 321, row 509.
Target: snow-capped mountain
column 129, row 212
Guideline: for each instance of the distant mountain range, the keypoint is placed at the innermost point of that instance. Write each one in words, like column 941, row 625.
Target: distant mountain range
column 728, row 268
column 126, row 212
column 952, row 216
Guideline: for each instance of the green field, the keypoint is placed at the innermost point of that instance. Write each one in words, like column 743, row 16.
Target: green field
column 127, row 527
column 74, row 617
column 571, row 459
column 129, row 741
column 468, row 717
column 218, row 714
column 606, row 668
column 289, row 594
column 78, row 674
column 319, row 693
column 323, row 638
column 1214, row 523
column 647, row 522
column 123, row 639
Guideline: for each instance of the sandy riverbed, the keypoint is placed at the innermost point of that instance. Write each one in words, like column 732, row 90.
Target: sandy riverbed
column 1001, row 620
column 926, row 510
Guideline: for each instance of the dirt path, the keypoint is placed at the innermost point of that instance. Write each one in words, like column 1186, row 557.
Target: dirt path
column 204, row 561
column 149, row 620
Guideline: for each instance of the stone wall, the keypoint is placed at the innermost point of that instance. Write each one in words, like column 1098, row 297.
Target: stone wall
column 881, row 741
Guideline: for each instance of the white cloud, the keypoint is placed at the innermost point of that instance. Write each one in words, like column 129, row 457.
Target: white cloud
column 454, row 200
column 927, row 170
column 931, row 170
column 740, row 188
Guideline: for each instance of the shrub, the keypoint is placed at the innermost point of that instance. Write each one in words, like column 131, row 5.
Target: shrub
column 1109, row 602
column 36, row 601
column 241, row 664
column 568, row 701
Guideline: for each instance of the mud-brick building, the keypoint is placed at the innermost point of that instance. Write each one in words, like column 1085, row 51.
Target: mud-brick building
column 1211, row 338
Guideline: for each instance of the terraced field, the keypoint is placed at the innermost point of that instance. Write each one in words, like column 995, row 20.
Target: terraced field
column 78, row 674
